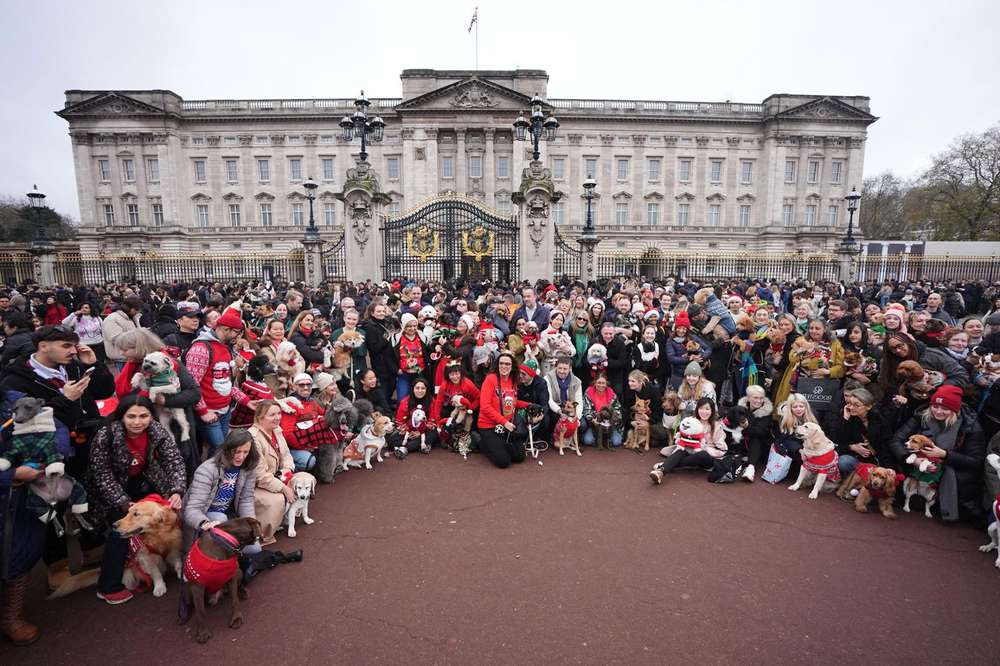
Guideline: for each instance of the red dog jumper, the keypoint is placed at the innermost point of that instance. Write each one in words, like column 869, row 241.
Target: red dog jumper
column 210, row 574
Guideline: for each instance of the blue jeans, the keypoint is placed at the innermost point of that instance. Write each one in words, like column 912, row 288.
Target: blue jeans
column 403, row 385
column 304, row 460
column 847, row 463
column 252, row 549
column 589, row 436
column 212, row 434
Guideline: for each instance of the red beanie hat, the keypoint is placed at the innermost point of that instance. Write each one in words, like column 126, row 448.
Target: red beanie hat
column 949, row 397
column 682, row 319
column 529, row 368
column 231, row 319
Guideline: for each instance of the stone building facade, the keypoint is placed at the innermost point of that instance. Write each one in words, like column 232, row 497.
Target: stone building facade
column 159, row 173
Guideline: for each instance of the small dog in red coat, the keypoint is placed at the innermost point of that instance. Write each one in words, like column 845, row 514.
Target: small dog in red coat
column 565, row 435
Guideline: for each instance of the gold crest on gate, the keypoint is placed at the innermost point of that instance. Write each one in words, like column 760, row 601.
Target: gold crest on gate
column 423, row 242
column 478, row 243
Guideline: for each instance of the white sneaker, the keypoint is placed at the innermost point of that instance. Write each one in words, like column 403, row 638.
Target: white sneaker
column 656, row 476
column 748, row 473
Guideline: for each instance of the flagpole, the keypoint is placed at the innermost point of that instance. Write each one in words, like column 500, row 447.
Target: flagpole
column 477, row 39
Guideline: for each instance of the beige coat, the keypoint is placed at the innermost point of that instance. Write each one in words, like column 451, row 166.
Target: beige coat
column 112, row 327
column 269, row 502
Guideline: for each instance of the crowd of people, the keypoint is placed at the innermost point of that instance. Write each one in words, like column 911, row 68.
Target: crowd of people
column 496, row 369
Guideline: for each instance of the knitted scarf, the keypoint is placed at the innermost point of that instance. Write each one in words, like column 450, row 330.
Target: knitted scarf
column 564, row 387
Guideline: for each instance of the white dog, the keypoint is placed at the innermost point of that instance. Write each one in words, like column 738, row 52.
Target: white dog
column 993, row 460
column 304, row 487
column 369, row 443
column 819, row 459
column 158, row 377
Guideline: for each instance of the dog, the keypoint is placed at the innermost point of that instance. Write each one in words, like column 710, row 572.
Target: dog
column 602, row 428
column 869, row 482
column 155, row 543
column 213, row 564
column 289, row 363
column 993, row 460
column 565, row 435
column 418, row 427
column 304, row 486
column 158, row 377
column 369, row 443
column 819, row 460
column 924, row 477
column 343, row 352
column 638, row 436
column 908, row 373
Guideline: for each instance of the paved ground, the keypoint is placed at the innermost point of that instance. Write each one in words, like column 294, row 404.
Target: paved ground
column 582, row 560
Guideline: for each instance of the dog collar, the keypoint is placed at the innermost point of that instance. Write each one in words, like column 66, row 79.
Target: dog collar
column 224, row 539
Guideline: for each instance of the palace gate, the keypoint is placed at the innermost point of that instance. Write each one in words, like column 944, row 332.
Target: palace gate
column 451, row 237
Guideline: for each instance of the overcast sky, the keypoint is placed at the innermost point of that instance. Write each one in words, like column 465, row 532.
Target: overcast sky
column 930, row 69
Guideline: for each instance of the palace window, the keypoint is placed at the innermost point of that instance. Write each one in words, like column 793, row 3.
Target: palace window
column 232, row 171
column 746, row 172
column 653, row 168
column 813, row 171
column 791, row 166
column 447, row 167
column 109, row 215
column 157, row 215
column 298, row 214
column 683, row 213
column 329, row 214
column 559, row 213
column 392, row 167
column 788, row 215
column 128, row 171
column 328, row 168
column 265, row 215
column 621, row 213
column 684, row 170
column 558, row 168
column 622, row 169
column 810, row 216
column 202, row 219
column 475, row 166
column 295, row 168
column 503, row 203
column 200, row 175
column 234, row 215
column 714, row 215
column 264, row 171
column 832, row 213
column 503, row 167
column 744, row 216
column 836, row 171
column 152, row 170
column 132, row 210
column 590, row 168
column 716, row 171
column 652, row 213
column 104, row 170
column 395, row 208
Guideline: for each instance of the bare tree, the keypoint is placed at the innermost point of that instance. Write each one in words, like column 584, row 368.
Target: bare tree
column 883, row 212
column 961, row 189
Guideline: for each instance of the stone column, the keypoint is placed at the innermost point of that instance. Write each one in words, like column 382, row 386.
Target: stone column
column 847, row 267
column 534, row 199
column 432, row 183
column 407, row 168
column 461, row 163
column 313, row 244
column 44, row 254
column 489, row 169
column 588, row 257
column 363, row 205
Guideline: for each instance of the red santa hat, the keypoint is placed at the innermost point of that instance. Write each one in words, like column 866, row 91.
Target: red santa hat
column 650, row 312
column 231, row 318
column 682, row 319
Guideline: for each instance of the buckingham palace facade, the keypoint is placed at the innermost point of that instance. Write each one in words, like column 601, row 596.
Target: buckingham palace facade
column 156, row 172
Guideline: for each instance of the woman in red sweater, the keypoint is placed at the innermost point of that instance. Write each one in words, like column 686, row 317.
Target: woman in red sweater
column 416, row 430
column 497, row 405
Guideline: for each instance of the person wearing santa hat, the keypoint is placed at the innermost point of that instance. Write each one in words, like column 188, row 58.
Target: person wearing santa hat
column 677, row 349
column 959, row 447
column 412, row 354
column 211, row 362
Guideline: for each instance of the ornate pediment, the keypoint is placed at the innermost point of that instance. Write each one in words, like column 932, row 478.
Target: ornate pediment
column 653, row 196
column 264, row 196
column 716, row 197
column 232, row 197
column 685, row 196
column 110, row 104
column 826, row 108
column 474, row 94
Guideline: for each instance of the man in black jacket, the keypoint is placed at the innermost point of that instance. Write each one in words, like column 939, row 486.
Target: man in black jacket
column 17, row 330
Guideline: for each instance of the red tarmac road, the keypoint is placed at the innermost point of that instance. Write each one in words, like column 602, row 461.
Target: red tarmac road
column 440, row 560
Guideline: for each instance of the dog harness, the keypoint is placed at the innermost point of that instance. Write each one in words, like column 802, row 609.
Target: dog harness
column 211, row 574
column 824, row 464
column 864, row 471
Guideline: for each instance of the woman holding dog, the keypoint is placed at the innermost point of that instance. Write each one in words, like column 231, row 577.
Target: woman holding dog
column 415, row 429
column 700, row 453
column 274, row 469
column 821, row 358
column 959, row 448
column 223, row 488
column 860, row 434
column 131, row 457
column 596, row 398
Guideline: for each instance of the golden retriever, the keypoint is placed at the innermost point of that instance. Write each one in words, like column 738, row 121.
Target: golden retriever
column 157, row 544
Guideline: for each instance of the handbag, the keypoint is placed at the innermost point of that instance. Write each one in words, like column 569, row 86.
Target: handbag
column 777, row 466
column 818, row 392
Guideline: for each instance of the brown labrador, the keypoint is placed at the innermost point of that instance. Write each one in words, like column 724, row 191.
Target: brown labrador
column 213, row 564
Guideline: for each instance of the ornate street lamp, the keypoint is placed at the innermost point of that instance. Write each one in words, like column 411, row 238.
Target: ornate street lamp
column 852, row 205
column 538, row 127
column 311, row 186
column 358, row 125
column 37, row 200
column 588, row 239
column 589, row 185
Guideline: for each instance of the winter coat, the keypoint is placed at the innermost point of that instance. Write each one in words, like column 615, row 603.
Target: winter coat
column 110, row 460
column 17, row 344
column 939, row 360
column 309, row 347
column 540, row 317
column 204, row 487
column 678, row 357
column 761, row 422
column 574, row 393
column 269, row 501
column 114, row 325
column 377, row 339
column 88, row 328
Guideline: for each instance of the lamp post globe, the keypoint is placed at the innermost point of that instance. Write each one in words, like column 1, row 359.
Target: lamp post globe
column 539, row 127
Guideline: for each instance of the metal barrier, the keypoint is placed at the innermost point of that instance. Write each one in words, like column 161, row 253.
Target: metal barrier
column 721, row 265
column 165, row 268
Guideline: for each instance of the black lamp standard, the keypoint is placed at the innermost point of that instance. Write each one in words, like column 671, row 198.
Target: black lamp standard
column 37, row 200
column 852, row 205
column 539, row 127
column 358, row 125
column 311, row 186
column 588, row 193
column 588, row 239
